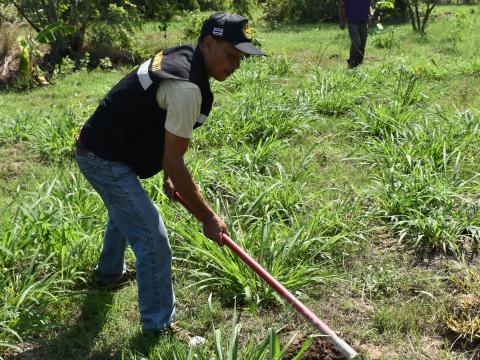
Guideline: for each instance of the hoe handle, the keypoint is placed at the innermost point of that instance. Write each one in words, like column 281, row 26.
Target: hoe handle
column 339, row 344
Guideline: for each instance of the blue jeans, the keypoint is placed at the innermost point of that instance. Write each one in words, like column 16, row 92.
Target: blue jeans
column 133, row 220
column 358, row 32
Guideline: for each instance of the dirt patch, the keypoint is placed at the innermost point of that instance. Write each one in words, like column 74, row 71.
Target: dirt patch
column 320, row 348
column 12, row 160
column 9, row 66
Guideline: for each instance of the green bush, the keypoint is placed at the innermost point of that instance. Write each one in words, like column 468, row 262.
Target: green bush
column 8, row 14
column 213, row 4
column 276, row 11
column 383, row 38
column 113, row 37
column 194, row 25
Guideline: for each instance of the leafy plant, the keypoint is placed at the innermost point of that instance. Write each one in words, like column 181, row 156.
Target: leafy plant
column 284, row 255
column 194, row 26
column 30, row 52
column 383, row 38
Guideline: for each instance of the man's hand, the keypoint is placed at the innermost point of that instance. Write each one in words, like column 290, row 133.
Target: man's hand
column 213, row 228
column 168, row 188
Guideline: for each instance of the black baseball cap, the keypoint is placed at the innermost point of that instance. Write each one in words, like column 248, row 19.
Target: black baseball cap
column 232, row 28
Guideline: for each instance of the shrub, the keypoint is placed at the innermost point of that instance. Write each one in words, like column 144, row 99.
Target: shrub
column 8, row 14
column 212, row 4
column 113, row 37
column 66, row 67
column 193, row 27
column 276, row 11
column 383, row 38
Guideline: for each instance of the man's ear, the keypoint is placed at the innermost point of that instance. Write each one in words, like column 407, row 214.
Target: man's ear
column 207, row 42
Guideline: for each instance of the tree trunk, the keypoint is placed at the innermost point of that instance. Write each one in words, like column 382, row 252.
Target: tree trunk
column 430, row 7
column 417, row 16
column 412, row 17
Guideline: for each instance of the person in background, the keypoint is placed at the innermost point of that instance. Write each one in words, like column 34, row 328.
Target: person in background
column 142, row 126
column 356, row 13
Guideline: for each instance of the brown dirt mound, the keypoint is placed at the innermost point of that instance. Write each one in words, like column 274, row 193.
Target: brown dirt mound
column 319, row 349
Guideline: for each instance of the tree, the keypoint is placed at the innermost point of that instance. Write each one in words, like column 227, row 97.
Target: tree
column 419, row 12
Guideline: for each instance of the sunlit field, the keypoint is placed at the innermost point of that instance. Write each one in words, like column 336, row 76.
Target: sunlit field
column 356, row 189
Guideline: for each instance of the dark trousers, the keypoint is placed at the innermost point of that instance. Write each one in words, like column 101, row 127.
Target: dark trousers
column 358, row 32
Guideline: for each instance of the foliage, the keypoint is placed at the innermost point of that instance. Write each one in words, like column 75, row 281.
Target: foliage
column 219, row 5
column 113, row 37
column 82, row 16
column 192, row 29
column 383, row 38
column 64, row 68
column 43, row 248
column 7, row 14
column 281, row 253
column 457, row 32
column 276, row 11
column 30, row 51
column 350, row 160
column 243, row 7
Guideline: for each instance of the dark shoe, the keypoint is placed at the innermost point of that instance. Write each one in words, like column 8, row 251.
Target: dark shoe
column 128, row 277
column 180, row 334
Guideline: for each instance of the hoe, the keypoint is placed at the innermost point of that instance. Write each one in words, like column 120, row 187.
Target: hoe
column 337, row 342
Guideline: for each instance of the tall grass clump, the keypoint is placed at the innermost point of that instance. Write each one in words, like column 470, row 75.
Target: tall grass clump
column 255, row 113
column 257, row 69
column 424, row 180
column 399, row 103
column 54, row 139
column 259, row 107
column 18, row 127
column 337, row 91
column 47, row 243
column 288, row 254
column 50, row 136
column 423, row 164
column 428, row 211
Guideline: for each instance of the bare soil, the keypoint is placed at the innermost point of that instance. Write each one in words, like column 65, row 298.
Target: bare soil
column 319, row 349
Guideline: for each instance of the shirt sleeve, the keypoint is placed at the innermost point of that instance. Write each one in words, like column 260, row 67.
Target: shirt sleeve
column 182, row 100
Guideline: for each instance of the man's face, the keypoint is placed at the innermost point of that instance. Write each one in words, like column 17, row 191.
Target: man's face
column 221, row 58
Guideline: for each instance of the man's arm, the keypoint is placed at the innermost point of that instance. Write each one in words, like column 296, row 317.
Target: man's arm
column 175, row 169
column 341, row 14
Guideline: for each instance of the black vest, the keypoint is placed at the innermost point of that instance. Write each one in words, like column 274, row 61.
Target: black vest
column 129, row 126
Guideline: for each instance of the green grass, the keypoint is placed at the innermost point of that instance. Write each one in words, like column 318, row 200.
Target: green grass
column 356, row 189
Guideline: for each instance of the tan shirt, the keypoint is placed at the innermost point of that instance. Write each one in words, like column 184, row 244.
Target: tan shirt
column 182, row 100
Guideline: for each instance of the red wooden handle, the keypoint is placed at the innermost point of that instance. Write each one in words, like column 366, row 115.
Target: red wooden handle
column 340, row 344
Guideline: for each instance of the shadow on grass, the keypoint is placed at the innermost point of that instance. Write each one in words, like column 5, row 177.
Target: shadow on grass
column 76, row 341
column 139, row 345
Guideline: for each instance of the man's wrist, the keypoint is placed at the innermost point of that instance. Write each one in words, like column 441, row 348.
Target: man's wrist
column 208, row 216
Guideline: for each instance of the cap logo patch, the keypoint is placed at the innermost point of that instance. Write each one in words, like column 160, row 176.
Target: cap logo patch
column 217, row 31
column 247, row 31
